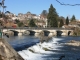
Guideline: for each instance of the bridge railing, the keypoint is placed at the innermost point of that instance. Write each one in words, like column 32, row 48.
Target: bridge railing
column 38, row 28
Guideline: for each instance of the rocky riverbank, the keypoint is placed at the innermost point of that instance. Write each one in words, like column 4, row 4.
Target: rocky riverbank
column 7, row 52
column 73, row 43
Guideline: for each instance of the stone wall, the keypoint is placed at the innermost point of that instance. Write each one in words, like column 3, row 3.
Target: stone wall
column 7, row 52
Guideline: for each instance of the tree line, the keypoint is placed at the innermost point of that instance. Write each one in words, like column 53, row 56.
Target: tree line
column 53, row 19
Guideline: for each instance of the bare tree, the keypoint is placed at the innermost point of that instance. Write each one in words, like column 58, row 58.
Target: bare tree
column 0, row 4
column 67, row 4
column 44, row 13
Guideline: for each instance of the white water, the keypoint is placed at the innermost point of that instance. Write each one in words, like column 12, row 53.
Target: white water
column 38, row 50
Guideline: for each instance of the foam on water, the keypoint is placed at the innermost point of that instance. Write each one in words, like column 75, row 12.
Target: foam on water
column 38, row 51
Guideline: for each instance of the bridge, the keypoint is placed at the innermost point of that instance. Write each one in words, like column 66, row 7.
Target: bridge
column 36, row 31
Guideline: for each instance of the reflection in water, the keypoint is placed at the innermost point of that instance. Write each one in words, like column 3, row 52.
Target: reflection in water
column 21, row 42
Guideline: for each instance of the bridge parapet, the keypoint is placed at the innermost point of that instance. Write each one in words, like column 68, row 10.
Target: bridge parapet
column 37, row 31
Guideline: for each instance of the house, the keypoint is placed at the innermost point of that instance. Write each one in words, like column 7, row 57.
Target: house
column 14, row 18
column 41, row 24
column 74, row 24
column 14, row 25
column 42, row 17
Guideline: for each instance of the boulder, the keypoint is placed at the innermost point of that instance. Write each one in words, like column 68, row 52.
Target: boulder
column 74, row 43
column 7, row 52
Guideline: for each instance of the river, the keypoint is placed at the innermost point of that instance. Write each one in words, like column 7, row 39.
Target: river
column 22, row 43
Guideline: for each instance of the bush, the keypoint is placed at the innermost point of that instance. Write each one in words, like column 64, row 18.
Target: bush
column 76, row 32
column 32, row 23
column 20, row 24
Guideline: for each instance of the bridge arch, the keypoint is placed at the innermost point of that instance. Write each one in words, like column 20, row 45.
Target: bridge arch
column 52, row 33
column 32, row 33
column 59, row 33
column 26, row 32
column 70, row 32
column 15, row 32
column 10, row 33
column 46, row 32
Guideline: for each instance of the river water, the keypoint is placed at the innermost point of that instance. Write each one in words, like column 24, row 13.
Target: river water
column 22, row 43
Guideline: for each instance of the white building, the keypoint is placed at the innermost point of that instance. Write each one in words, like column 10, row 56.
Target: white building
column 14, row 18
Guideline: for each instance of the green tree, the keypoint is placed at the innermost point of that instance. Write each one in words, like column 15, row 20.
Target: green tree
column 32, row 23
column 17, row 21
column 73, row 18
column 61, row 23
column 20, row 24
column 7, row 12
column 67, row 20
column 52, row 17
column 62, row 18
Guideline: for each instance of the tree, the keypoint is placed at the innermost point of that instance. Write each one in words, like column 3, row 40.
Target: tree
column 44, row 13
column 73, row 18
column 67, row 20
column 7, row 12
column 76, row 31
column 0, row 14
column 20, row 24
column 61, row 23
column 4, row 7
column 0, row 5
column 67, row 4
column 52, row 17
column 63, row 18
column 32, row 23
column 17, row 21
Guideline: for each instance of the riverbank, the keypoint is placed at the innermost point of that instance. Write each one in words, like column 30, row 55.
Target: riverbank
column 73, row 43
column 52, row 50
column 7, row 52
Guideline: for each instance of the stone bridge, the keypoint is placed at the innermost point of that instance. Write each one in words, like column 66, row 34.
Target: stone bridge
column 37, row 31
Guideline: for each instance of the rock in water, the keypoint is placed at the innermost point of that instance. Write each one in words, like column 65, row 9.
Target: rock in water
column 7, row 52
column 63, row 56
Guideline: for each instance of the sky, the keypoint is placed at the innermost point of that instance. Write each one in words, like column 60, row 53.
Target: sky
column 37, row 6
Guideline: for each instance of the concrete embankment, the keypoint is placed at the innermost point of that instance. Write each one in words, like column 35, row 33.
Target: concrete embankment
column 7, row 52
